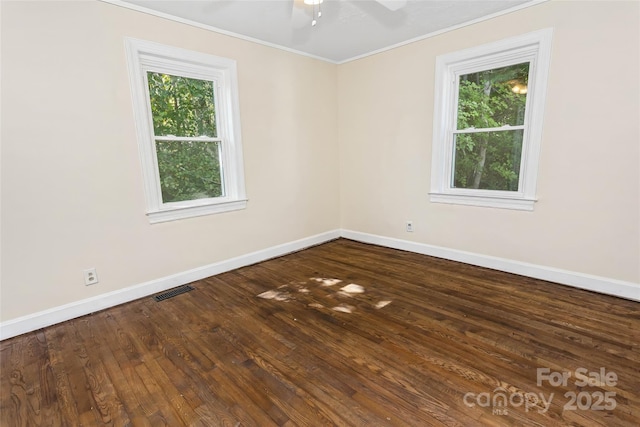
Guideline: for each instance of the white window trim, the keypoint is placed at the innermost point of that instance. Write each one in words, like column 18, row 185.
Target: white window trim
column 143, row 56
column 533, row 47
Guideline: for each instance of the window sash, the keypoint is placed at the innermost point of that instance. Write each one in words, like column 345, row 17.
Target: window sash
column 491, row 143
column 451, row 145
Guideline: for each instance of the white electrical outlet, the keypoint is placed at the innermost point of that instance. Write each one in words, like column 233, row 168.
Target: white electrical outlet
column 409, row 226
column 90, row 276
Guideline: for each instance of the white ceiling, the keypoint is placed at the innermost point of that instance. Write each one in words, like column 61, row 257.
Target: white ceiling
column 348, row 29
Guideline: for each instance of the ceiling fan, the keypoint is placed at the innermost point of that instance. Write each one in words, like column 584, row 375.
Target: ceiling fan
column 301, row 9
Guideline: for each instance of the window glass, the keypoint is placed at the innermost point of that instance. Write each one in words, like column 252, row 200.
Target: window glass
column 493, row 98
column 181, row 106
column 488, row 160
column 189, row 170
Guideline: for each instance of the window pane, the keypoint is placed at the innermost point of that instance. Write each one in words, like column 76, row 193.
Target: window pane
column 189, row 170
column 488, row 160
column 181, row 106
column 493, row 98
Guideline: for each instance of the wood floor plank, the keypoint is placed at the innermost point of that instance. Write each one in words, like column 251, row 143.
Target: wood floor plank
column 343, row 334
column 59, row 352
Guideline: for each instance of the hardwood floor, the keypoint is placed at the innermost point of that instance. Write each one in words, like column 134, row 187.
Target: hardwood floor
column 428, row 342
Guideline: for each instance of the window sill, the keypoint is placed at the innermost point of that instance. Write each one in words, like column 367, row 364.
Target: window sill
column 515, row 203
column 183, row 212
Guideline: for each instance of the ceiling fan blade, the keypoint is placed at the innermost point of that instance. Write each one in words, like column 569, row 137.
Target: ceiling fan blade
column 393, row 5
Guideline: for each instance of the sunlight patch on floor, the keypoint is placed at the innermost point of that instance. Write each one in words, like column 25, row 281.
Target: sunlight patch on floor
column 308, row 293
column 325, row 281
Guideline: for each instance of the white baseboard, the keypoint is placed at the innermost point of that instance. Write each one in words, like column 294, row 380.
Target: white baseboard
column 75, row 309
column 35, row 321
column 618, row 288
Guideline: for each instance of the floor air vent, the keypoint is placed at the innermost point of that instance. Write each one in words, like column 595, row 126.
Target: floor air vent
column 173, row 292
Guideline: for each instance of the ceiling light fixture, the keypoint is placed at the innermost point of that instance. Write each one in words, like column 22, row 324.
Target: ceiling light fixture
column 316, row 13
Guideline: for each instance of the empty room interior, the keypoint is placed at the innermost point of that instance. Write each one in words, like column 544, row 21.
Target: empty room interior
column 304, row 213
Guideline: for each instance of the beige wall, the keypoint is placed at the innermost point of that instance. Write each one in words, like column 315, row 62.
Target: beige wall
column 72, row 192
column 325, row 147
column 587, row 219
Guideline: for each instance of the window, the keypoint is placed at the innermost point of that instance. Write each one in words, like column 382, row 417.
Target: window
column 187, row 120
column 488, row 123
